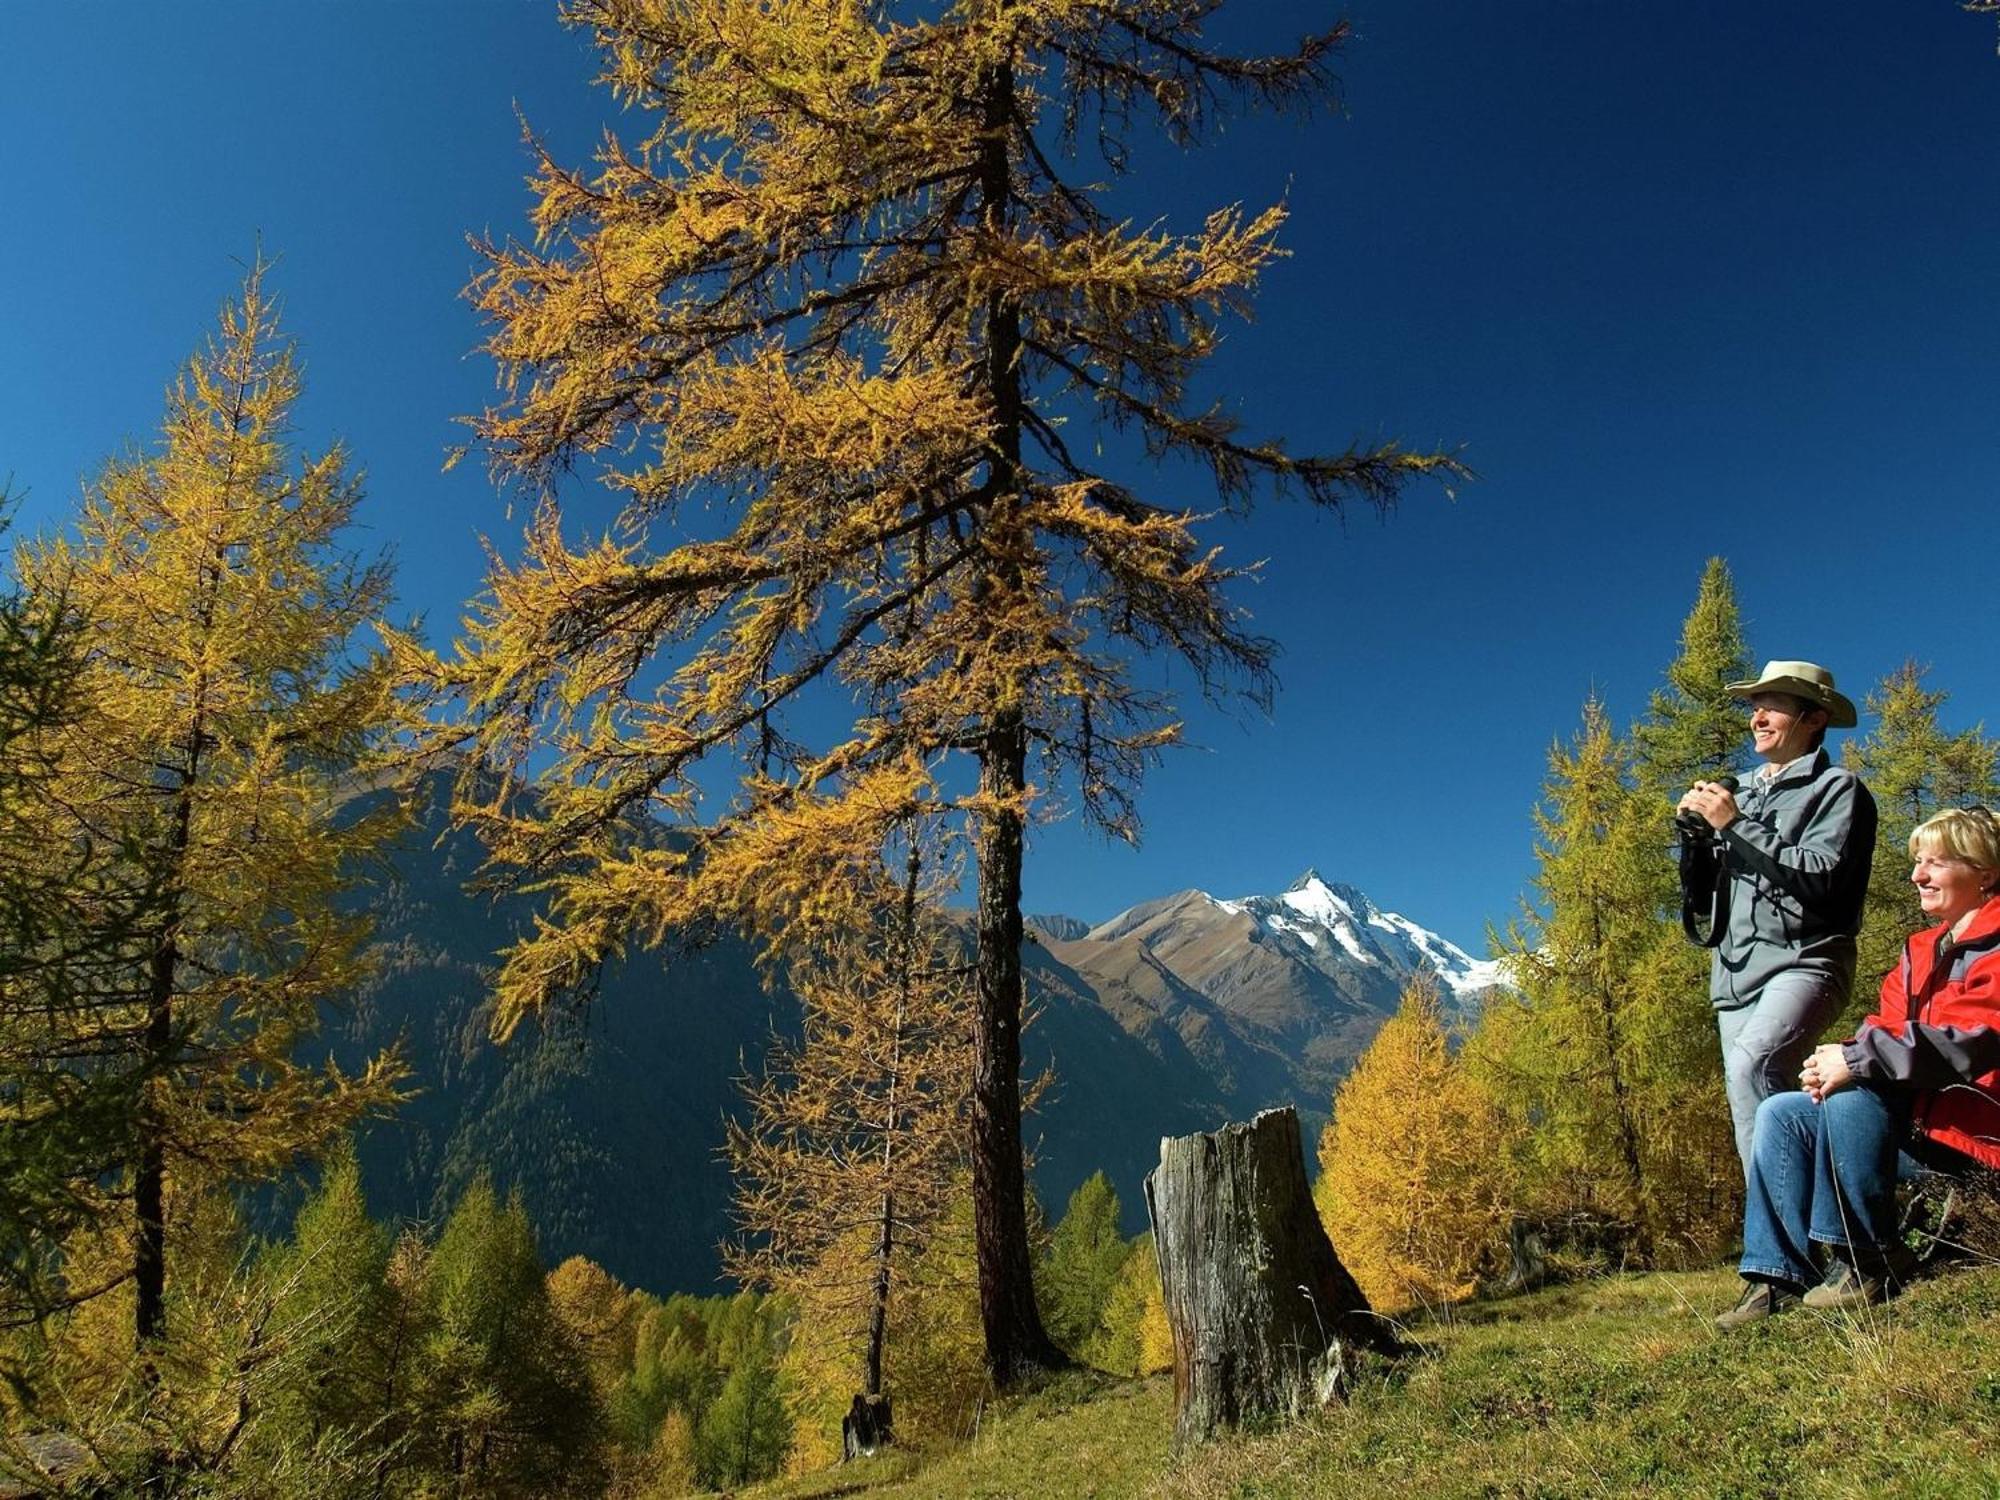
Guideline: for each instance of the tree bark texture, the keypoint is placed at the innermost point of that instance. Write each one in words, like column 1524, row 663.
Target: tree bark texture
column 149, row 1245
column 1016, row 1342
column 1265, row 1318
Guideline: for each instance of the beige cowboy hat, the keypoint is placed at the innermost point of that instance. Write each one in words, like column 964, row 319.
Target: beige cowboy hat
column 1802, row 679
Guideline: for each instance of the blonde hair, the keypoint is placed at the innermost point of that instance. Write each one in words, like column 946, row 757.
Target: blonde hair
column 1968, row 833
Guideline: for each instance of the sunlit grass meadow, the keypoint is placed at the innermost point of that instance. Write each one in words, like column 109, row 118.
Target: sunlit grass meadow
column 1617, row 1386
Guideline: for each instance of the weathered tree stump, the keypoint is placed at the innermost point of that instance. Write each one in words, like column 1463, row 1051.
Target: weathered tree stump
column 1265, row 1318
column 867, row 1427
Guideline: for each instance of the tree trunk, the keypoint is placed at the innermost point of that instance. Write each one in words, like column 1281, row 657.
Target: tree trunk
column 1265, row 1318
column 1527, row 1254
column 1016, row 1342
column 878, row 1309
column 149, row 1241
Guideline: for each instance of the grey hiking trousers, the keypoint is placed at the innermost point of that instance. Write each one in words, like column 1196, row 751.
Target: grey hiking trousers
column 1764, row 1043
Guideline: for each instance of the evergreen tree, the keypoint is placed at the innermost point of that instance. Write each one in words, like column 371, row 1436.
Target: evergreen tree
column 673, row 1369
column 1693, row 730
column 745, row 1431
column 509, row 1400
column 219, row 707
column 1085, row 1255
column 332, row 1313
column 1132, row 1337
column 1568, row 1079
column 334, row 1403
column 1406, row 1183
column 1915, row 768
column 1604, row 1063
column 844, row 297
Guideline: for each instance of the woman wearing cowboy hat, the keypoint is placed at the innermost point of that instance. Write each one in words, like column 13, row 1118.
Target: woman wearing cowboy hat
column 1796, row 842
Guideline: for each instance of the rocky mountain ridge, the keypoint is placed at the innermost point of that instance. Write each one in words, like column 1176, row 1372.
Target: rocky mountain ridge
column 1272, row 996
column 1176, row 1015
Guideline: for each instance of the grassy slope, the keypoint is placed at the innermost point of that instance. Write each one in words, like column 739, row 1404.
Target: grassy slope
column 1613, row 1387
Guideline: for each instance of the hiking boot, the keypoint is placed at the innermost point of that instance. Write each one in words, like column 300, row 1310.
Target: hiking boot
column 1847, row 1287
column 1761, row 1300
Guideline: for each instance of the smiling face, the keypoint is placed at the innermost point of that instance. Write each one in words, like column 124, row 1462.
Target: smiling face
column 1782, row 727
column 1949, row 887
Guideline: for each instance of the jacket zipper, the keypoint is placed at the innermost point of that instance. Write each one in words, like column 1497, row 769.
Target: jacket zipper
column 1920, row 1112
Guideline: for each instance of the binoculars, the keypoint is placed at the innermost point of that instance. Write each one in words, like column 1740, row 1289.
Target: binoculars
column 1688, row 822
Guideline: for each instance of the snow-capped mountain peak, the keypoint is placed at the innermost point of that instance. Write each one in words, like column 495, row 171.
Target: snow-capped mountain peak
column 1325, row 916
column 1273, row 996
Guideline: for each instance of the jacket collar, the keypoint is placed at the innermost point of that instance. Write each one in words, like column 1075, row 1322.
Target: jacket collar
column 1982, row 930
column 1805, row 768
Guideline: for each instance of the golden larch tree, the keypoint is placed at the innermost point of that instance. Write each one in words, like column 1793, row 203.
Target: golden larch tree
column 856, row 1135
column 69, row 1087
column 834, row 326
column 222, row 710
column 1408, row 1187
column 1569, row 1079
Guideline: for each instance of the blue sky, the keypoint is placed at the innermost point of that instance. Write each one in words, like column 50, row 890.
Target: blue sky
column 1678, row 281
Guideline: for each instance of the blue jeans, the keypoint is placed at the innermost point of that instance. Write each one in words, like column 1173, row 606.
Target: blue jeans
column 1822, row 1174
column 1764, row 1043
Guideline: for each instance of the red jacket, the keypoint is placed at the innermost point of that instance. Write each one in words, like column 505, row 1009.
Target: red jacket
column 1937, row 1032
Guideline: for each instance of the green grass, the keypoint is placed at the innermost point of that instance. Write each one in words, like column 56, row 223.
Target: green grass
column 1611, row 1387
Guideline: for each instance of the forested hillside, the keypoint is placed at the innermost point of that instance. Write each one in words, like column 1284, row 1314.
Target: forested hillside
column 608, row 1117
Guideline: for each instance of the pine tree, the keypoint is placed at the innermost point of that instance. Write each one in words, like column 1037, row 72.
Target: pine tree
column 745, row 1431
column 844, row 296
column 1407, row 1187
column 510, row 1403
column 1568, row 1081
column 1085, row 1254
column 1693, row 730
column 219, row 707
column 1915, row 768
column 338, row 1410
column 330, row 1292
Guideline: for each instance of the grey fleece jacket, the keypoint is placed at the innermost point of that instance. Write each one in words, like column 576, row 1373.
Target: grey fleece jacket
column 1797, row 857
